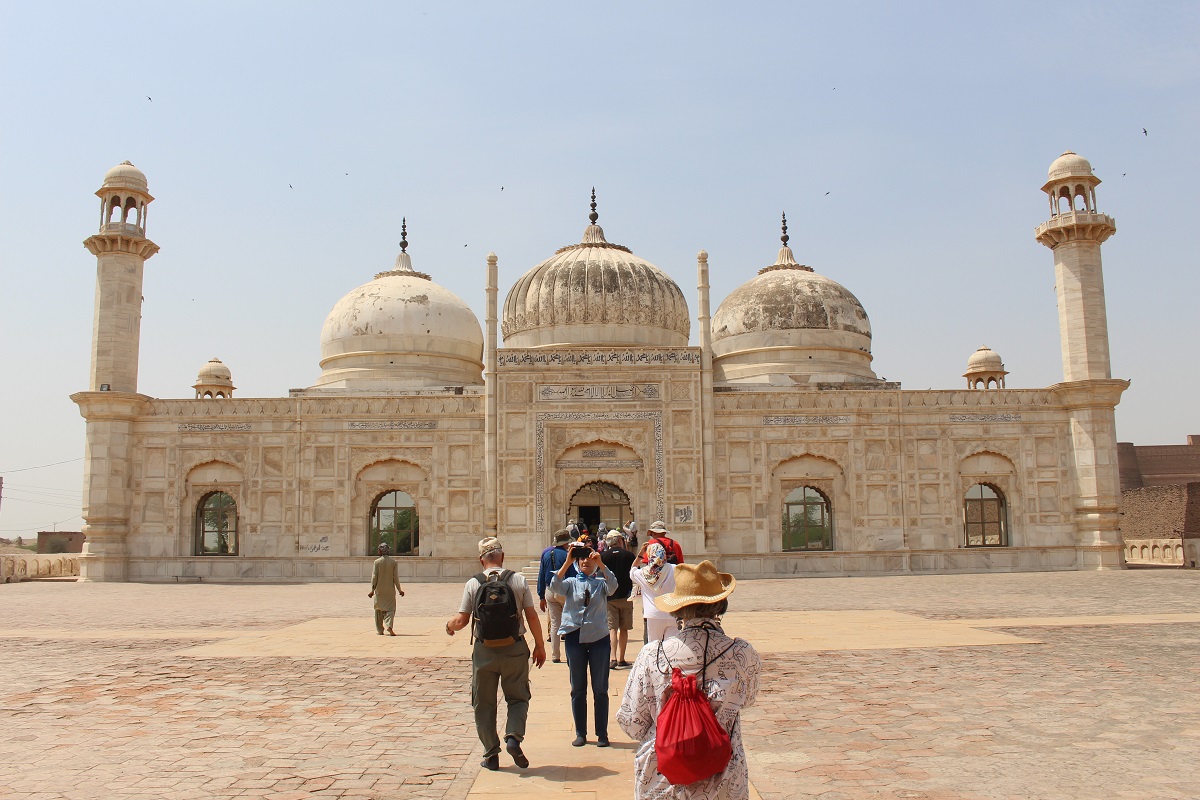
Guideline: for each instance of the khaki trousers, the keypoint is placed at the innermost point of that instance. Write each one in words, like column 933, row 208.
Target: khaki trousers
column 506, row 668
column 554, row 602
column 384, row 619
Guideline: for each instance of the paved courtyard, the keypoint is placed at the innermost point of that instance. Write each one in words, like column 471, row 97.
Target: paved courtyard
column 1051, row 685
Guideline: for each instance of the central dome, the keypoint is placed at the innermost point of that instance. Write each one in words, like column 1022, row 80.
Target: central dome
column 598, row 294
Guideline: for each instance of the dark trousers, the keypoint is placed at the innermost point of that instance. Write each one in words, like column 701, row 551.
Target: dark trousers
column 581, row 658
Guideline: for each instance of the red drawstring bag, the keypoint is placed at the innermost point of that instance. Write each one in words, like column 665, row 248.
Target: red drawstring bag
column 690, row 743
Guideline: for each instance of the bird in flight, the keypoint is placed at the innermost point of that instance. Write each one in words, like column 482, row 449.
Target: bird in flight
column 1145, row 132
column 827, row 194
column 290, row 186
column 502, row 188
column 151, row 99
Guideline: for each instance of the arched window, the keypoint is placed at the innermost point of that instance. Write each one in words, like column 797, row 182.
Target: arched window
column 807, row 521
column 394, row 521
column 984, row 514
column 216, row 526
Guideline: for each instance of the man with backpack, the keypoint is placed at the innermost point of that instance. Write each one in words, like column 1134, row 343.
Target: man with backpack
column 658, row 533
column 498, row 604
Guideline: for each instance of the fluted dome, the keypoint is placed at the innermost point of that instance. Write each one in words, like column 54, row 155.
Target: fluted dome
column 214, row 380
column 595, row 293
column 214, row 370
column 984, row 359
column 399, row 331
column 125, row 176
column 790, row 325
column 985, row 369
column 1068, row 165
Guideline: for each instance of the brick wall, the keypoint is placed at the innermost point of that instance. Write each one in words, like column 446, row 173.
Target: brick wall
column 1157, row 512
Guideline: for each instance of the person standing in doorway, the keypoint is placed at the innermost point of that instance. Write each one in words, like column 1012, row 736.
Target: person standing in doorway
column 385, row 583
column 501, row 605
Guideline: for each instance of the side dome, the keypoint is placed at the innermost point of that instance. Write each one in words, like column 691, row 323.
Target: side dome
column 789, row 325
column 400, row 331
column 595, row 293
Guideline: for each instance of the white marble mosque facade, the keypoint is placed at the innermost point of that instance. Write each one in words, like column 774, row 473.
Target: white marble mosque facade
column 499, row 437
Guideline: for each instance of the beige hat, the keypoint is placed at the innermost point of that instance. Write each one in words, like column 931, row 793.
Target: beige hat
column 614, row 536
column 700, row 583
column 489, row 545
column 658, row 526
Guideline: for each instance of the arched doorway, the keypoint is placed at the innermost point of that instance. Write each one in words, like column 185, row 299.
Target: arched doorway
column 600, row 501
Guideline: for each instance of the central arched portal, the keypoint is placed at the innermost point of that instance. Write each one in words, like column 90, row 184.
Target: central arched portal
column 600, row 501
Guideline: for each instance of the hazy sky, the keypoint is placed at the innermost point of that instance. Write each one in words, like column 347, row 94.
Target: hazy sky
column 284, row 142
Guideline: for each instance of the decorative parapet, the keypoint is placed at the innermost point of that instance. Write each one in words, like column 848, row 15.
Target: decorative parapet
column 37, row 566
column 1075, row 226
column 120, row 243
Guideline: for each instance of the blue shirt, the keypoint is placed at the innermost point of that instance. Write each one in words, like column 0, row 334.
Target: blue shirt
column 552, row 559
column 590, row 619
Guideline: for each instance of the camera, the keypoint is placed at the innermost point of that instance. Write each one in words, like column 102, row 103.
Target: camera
column 580, row 551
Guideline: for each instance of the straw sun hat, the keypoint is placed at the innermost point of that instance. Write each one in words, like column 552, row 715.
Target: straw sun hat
column 700, row 583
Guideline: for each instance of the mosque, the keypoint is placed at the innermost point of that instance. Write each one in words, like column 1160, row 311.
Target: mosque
column 772, row 447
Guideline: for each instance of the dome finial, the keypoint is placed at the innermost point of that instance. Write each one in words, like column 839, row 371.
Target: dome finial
column 593, row 216
column 784, row 237
column 404, row 234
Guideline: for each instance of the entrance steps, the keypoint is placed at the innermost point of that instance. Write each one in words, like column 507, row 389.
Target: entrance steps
column 530, row 571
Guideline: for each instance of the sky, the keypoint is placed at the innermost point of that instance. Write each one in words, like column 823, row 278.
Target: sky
column 284, row 142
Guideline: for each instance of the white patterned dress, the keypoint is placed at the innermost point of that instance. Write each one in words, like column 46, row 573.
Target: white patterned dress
column 731, row 683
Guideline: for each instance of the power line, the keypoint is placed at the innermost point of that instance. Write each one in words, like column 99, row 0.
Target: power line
column 42, row 466
column 38, row 525
column 38, row 502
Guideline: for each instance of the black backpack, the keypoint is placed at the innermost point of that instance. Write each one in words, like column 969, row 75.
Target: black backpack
column 496, row 620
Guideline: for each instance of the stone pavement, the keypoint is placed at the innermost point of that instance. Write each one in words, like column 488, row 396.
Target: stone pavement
column 1049, row 685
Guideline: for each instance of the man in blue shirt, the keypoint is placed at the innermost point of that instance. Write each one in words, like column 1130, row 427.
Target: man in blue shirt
column 552, row 558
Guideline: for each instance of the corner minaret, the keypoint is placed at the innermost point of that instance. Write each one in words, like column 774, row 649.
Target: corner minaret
column 121, row 249
column 111, row 403
column 1075, row 232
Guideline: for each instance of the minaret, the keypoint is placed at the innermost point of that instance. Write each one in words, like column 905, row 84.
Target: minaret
column 708, row 427
column 1075, row 232
column 111, row 402
column 121, row 249
column 491, row 494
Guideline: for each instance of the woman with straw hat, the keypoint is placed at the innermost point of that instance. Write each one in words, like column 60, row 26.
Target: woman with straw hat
column 727, row 669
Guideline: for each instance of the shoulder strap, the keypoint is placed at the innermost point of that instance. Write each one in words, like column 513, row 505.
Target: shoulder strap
column 505, row 575
column 482, row 578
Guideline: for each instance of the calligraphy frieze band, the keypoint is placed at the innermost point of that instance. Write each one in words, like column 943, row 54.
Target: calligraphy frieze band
column 814, row 420
column 985, row 417
column 558, row 392
column 624, row 463
column 207, row 427
column 542, row 358
column 394, row 425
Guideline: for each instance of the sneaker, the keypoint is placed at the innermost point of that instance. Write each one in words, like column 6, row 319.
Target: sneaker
column 514, row 749
column 490, row 762
column 612, row 664
column 624, row 664
column 579, row 742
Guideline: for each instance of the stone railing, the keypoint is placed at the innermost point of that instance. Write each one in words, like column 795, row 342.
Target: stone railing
column 1154, row 551
column 35, row 566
